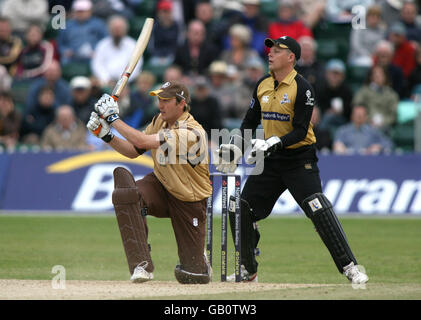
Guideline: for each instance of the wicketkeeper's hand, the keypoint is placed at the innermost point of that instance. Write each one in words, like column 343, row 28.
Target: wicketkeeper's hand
column 95, row 122
column 228, row 157
column 264, row 146
column 107, row 108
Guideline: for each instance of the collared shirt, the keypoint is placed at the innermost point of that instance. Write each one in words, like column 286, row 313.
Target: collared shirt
column 181, row 164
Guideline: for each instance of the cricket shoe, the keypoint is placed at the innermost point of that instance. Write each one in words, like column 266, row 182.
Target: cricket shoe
column 245, row 276
column 140, row 274
column 355, row 275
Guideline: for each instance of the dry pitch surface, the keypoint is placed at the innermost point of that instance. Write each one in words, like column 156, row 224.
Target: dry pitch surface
column 42, row 289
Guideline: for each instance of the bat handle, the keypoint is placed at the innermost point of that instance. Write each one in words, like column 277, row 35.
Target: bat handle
column 98, row 130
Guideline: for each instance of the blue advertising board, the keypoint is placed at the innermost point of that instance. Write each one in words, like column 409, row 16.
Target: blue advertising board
column 83, row 182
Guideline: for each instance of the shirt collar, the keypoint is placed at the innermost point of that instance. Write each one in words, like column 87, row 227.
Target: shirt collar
column 287, row 80
column 180, row 120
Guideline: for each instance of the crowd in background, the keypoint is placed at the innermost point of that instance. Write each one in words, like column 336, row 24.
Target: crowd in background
column 366, row 71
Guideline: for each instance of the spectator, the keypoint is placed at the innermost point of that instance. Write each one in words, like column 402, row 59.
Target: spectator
column 340, row 11
column 66, row 132
column 239, row 52
column 334, row 95
column 415, row 76
column 391, row 10
column 204, row 12
column 105, row 8
column 51, row 78
column 323, row 136
column 24, row 13
column 310, row 11
column 10, row 122
column 404, row 56
column 196, row 54
column 308, row 65
column 5, row 79
column 257, row 23
column 37, row 119
column 142, row 108
column 408, row 14
column 77, row 42
column 36, row 56
column 10, row 46
column 165, row 35
column 380, row 99
column 82, row 99
column 287, row 23
column 363, row 41
column 205, row 108
column 360, row 137
column 383, row 56
column 113, row 52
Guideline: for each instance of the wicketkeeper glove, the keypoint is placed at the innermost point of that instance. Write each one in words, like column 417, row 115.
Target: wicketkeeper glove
column 228, row 155
column 107, row 108
column 95, row 122
column 266, row 147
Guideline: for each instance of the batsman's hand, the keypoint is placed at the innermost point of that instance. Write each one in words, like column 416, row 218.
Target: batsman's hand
column 95, row 122
column 263, row 146
column 228, row 156
column 107, row 108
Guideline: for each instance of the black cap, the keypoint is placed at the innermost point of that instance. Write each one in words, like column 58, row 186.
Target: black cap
column 285, row 42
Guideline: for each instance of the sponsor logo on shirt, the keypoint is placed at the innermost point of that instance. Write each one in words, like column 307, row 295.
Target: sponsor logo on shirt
column 275, row 116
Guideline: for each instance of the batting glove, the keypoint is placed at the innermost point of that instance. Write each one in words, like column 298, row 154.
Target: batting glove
column 96, row 122
column 107, row 108
column 263, row 146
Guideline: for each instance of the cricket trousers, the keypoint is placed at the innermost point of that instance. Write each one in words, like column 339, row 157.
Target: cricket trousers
column 188, row 220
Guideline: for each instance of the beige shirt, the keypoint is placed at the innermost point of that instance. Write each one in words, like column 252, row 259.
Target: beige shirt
column 181, row 163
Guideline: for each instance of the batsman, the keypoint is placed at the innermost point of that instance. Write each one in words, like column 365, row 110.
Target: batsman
column 177, row 188
column 283, row 103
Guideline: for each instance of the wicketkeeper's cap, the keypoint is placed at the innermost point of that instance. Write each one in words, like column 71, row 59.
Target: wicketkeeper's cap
column 171, row 90
column 285, row 42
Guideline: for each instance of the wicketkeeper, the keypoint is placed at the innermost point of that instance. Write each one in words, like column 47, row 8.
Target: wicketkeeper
column 283, row 102
column 177, row 188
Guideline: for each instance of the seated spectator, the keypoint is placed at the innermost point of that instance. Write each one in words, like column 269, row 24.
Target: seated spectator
column 340, row 11
column 37, row 119
column 82, row 100
column 404, row 56
column 10, row 122
column 204, row 107
column 105, row 8
column 360, row 137
column 287, row 23
column 142, row 108
column 66, row 132
column 333, row 94
column 415, row 76
column 204, row 12
column 379, row 98
column 408, row 14
column 5, row 79
column 383, row 56
column 308, row 65
column 257, row 23
column 310, row 11
column 51, row 78
column 113, row 52
column 165, row 35
column 10, row 46
column 24, row 13
column 196, row 54
column 36, row 56
column 323, row 136
column 78, row 40
column 363, row 41
column 239, row 52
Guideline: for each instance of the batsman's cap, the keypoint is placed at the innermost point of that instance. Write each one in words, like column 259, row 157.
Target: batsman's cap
column 285, row 42
column 171, row 90
column 164, row 5
column 82, row 5
column 80, row 82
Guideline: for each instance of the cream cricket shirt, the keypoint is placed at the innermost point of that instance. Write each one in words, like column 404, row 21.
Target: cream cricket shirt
column 182, row 161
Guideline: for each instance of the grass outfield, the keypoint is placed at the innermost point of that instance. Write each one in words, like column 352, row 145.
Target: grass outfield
column 90, row 249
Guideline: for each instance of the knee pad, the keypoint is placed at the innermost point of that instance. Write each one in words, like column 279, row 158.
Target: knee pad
column 186, row 277
column 320, row 211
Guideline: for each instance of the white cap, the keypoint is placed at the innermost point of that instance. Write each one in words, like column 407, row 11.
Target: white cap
column 80, row 82
column 82, row 5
